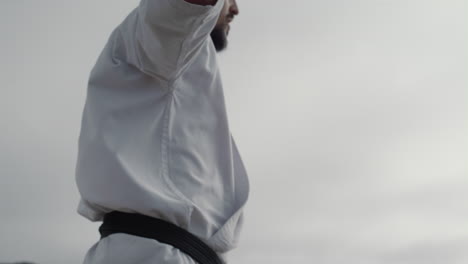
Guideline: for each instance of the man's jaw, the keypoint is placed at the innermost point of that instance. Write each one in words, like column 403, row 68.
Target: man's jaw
column 219, row 37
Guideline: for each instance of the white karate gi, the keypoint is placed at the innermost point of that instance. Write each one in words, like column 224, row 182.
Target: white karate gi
column 155, row 138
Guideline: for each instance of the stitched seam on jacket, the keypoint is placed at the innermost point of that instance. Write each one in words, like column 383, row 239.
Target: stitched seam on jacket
column 166, row 153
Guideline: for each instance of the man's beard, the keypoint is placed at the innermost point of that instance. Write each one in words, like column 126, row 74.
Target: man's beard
column 218, row 35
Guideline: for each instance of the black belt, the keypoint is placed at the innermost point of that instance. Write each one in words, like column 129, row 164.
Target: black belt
column 164, row 232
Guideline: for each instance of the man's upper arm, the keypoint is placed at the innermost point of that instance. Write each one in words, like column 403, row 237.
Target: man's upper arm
column 167, row 33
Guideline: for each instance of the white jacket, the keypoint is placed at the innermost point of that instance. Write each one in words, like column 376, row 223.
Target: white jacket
column 155, row 138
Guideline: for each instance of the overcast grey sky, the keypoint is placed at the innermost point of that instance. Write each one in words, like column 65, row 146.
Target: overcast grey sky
column 351, row 117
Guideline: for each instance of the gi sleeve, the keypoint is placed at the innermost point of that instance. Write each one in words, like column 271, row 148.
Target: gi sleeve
column 162, row 36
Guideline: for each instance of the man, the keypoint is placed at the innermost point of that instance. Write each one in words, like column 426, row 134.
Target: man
column 155, row 139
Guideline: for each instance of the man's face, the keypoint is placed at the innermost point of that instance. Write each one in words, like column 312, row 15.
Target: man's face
column 221, row 30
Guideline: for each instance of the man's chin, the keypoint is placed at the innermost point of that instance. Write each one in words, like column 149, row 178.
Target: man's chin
column 219, row 37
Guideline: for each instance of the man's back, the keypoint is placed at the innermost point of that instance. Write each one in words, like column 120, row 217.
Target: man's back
column 155, row 138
